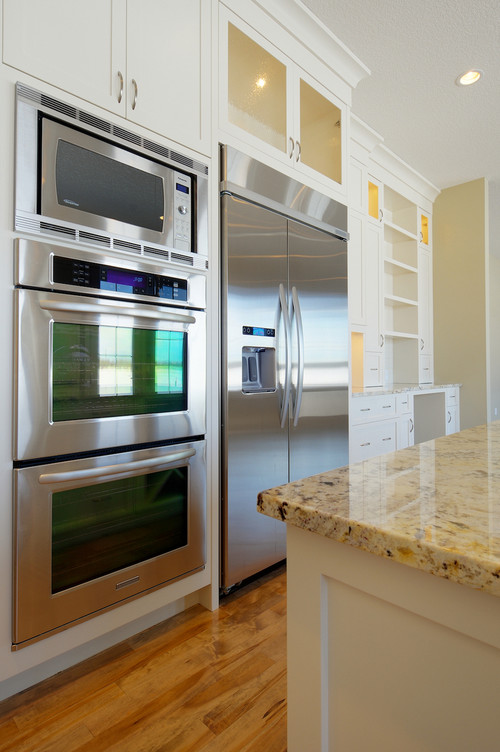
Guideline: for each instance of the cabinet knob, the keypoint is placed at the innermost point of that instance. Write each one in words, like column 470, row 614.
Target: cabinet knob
column 136, row 93
column 120, row 92
column 292, row 147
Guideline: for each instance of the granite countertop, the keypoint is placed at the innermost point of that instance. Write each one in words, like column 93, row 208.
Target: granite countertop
column 399, row 388
column 434, row 506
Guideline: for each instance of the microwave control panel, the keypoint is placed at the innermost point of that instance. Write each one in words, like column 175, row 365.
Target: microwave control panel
column 183, row 200
column 127, row 282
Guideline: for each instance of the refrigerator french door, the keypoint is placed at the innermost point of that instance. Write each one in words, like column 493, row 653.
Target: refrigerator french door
column 285, row 370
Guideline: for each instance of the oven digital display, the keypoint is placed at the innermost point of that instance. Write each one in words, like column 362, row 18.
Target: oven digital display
column 181, row 188
column 122, row 281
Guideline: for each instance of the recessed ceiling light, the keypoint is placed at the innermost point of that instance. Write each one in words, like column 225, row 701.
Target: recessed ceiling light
column 469, row 77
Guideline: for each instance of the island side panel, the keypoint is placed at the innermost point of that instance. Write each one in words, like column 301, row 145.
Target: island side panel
column 385, row 657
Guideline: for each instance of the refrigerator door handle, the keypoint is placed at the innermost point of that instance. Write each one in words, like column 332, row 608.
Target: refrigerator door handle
column 288, row 361
column 300, row 354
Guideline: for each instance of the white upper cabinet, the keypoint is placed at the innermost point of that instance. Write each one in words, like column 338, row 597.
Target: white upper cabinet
column 147, row 60
column 272, row 104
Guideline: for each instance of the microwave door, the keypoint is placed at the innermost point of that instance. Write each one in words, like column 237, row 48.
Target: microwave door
column 94, row 373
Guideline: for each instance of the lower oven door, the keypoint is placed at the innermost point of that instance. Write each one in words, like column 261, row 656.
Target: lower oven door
column 93, row 533
column 93, row 373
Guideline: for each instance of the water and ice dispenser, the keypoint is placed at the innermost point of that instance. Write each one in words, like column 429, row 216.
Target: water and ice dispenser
column 258, row 369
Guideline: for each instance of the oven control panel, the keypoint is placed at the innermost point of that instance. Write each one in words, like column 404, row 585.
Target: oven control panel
column 114, row 279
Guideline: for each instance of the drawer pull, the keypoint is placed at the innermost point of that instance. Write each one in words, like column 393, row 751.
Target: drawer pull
column 373, row 369
column 384, row 407
column 389, row 438
column 367, row 443
column 364, row 409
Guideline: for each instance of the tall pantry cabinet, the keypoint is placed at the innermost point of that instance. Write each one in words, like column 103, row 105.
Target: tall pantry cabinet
column 390, row 268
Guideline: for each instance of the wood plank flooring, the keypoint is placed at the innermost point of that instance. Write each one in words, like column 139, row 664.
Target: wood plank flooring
column 199, row 682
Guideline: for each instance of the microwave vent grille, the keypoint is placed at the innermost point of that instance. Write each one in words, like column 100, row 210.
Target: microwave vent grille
column 73, row 113
column 93, row 237
column 59, row 229
column 183, row 259
column 133, row 138
column 125, row 245
column 157, row 148
column 95, row 122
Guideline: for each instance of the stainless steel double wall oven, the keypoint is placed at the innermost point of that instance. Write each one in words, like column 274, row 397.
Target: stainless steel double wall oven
column 109, row 420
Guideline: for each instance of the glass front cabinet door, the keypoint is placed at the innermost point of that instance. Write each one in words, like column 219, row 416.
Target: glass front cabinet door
column 270, row 103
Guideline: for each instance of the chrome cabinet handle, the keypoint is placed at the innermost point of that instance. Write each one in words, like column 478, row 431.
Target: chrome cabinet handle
column 380, row 215
column 367, row 443
column 120, row 93
column 364, row 409
column 300, row 342
column 288, row 360
column 136, row 93
column 117, row 309
column 125, row 468
column 382, row 340
column 449, row 417
column 421, row 236
column 292, row 147
column 385, row 407
column 411, row 425
column 298, row 150
column 421, row 343
column 389, row 438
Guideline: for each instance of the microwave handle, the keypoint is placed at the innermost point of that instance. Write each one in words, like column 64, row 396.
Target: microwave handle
column 67, row 306
column 123, row 469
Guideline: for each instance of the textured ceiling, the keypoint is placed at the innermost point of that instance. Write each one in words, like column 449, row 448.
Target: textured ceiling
column 415, row 51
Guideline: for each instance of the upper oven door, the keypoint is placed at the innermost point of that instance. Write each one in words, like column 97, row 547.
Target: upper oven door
column 92, row 374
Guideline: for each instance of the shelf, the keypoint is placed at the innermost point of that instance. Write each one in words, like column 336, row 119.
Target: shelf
column 401, row 335
column 396, row 300
column 405, row 234
column 400, row 267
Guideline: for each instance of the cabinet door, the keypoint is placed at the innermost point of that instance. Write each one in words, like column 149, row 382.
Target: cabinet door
column 425, row 333
column 78, row 47
column 168, row 54
column 374, row 341
column 319, row 131
column 254, row 94
column 356, row 275
column 405, row 432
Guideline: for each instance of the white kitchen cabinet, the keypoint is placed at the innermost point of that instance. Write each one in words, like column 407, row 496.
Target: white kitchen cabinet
column 452, row 407
column 271, row 103
column 147, row 60
column 372, row 440
column 425, row 317
column 405, row 427
column 374, row 338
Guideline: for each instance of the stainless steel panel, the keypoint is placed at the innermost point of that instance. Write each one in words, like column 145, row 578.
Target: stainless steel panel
column 35, row 434
column 29, row 103
column 33, row 267
column 255, row 181
column 319, row 400
column 38, row 612
column 255, row 447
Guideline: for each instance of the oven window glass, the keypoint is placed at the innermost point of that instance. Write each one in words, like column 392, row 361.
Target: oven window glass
column 108, row 371
column 90, row 182
column 101, row 529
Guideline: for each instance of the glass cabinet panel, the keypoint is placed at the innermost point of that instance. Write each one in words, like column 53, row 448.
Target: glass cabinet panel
column 256, row 89
column 373, row 200
column 424, row 229
column 320, row 133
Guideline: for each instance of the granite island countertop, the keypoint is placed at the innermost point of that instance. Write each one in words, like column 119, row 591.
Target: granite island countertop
column 371, row 391
column 434, row 506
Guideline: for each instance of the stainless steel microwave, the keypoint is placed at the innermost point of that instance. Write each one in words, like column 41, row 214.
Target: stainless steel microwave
column 83, row 178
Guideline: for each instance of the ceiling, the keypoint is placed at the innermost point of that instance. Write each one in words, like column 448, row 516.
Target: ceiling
column 415, row 51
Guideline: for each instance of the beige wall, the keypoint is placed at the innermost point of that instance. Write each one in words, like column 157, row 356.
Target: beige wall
column 461, row 296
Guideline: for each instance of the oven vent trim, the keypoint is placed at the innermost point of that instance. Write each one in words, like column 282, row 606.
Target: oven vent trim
column 75, row 113
column 38, row 226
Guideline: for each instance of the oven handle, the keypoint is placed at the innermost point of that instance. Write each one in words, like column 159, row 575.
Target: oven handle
column 122, row 469
column 125, row 310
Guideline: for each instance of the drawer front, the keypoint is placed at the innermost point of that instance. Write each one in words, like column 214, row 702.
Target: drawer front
column 452, row 396
column 404, row 403
column 372, row 440
column 365, row 409
column 426, row 375
column 373, row 369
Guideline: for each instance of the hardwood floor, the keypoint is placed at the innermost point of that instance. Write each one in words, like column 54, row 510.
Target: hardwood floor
column 199, row 682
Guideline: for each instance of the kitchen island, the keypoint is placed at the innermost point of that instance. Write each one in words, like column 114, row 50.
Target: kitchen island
column 393, row 599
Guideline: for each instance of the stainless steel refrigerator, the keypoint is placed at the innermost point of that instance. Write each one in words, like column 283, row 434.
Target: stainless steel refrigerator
column 284, row 350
